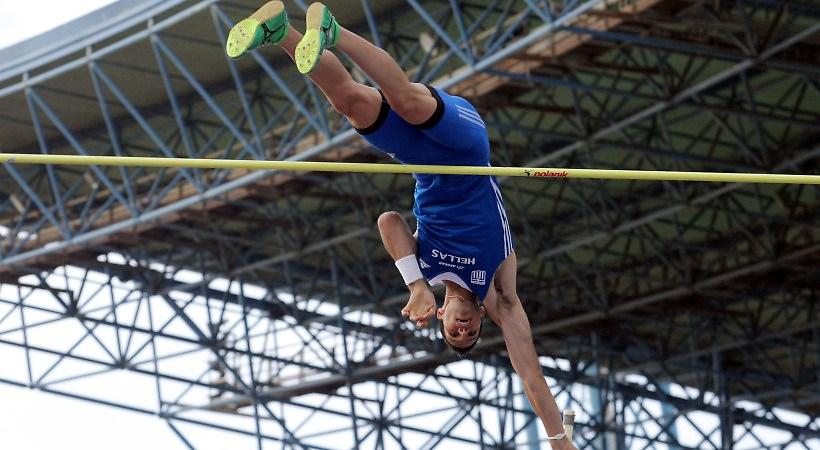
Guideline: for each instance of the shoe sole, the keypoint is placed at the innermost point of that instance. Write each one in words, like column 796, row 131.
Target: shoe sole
column 310, row 48
column 240, row 38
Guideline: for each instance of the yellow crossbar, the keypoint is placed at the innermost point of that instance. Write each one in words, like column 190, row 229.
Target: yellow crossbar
column 321, row 166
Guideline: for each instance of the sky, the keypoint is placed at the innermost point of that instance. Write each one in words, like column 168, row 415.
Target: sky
column 33, row 420
column 16, row 16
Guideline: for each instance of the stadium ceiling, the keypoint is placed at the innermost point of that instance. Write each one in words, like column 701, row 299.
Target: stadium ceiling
column 631, row 287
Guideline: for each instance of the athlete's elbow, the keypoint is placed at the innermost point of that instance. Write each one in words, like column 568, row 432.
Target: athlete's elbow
column 508, row 301
column 389, row 220
column 509, row 311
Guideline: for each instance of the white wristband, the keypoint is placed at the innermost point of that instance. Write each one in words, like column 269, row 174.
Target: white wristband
column 409, row 268
column 557, row 437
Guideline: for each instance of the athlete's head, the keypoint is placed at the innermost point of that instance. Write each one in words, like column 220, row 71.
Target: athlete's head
column 460, row 318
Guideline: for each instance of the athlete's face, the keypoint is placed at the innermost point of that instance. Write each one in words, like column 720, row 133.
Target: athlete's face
column 461, row 317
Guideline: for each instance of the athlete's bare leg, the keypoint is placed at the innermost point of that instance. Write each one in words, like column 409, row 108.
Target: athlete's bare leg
column 359, row 103
column 412, row 101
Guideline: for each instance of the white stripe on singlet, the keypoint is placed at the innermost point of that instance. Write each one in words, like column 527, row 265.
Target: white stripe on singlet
column 508, row 247
column 472, row 120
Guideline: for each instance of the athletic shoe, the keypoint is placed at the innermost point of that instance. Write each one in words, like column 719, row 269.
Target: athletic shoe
column 268, row 25
column 322, row 33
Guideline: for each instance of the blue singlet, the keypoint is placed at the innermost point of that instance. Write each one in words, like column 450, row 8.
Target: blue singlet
column 463, row 232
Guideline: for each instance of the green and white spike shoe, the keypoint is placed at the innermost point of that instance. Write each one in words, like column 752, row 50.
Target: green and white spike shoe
column 322, row 32
column 268, row 25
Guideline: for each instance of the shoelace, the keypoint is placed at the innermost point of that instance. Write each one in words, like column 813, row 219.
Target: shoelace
column 270, row 34
column 327, row 31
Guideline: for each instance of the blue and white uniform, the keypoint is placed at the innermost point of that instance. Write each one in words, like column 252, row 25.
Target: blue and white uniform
column 463, row 231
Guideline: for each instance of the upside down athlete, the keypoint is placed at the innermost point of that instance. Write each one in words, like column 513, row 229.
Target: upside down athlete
column 463, row 239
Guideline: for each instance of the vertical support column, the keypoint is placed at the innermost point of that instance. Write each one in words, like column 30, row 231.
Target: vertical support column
column 602, row 403
column 477, row 402
column 596, row 410
column 619, row 415
column 670, row 413
column 251, row 370
column 727, row 422
column 334, row 272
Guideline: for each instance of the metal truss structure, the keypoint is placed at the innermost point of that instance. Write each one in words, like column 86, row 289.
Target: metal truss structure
column 669, row 315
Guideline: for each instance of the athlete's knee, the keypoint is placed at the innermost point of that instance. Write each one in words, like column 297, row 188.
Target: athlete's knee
column 353, row 100
column 345, row 99
column 509, row 299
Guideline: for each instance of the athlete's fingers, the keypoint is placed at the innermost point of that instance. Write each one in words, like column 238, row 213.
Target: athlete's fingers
column 415, row 315
column 422, row 319
column 426, row 314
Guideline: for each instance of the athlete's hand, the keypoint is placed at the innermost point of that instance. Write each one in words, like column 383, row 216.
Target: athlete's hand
column 421, row 306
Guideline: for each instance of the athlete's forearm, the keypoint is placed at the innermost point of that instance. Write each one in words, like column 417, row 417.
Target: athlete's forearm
column 401, row 246
column 396, row 236
column 544, row 405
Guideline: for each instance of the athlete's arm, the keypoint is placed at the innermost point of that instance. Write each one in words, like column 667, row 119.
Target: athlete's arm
column 401, row 245
column 504, row 308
